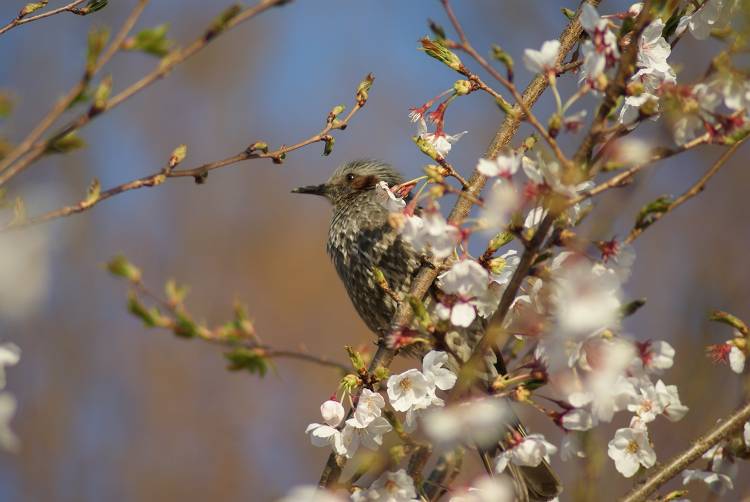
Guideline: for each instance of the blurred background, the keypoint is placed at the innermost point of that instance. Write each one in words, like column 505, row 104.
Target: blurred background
column 111, row 411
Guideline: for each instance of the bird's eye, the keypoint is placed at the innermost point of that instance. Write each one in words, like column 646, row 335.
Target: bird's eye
column 350, row 177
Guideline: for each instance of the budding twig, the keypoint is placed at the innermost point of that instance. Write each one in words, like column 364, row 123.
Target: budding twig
column 22, row 19
column 198, row 173
column 690, row 193
column 8, row 169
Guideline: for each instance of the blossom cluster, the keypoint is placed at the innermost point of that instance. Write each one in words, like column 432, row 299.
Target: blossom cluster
column 565, row 323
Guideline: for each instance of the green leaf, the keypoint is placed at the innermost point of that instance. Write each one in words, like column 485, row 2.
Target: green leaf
column 436, row 49
column 119, row 266
column 175, row 293
column 652, row 211
column 6, row 105
column 32, row 7
column 93, row 192
column 185, row 327
column 92, row 6
column 68, row 143
column 98, row 37
column 150, row 317
column 632, row 307
column 250, row 360
column 220, row 23
column 102, row 92
column 151, row 41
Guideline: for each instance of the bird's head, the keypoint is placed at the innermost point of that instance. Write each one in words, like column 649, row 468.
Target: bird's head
column 354, row 180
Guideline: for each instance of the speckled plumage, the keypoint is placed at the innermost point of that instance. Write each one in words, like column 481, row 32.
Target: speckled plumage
column 360, row 239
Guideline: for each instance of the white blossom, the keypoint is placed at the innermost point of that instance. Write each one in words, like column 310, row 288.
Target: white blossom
column 387, row 198
column 579, row 419
column 432, row 232
column 717, row 482
column 600, row 51
column 736, row 359
column 570, row 447
column 442, row 142
column 464, row 282
column 653, row 49
column 433, row 367
column 311, row 494
column 327, row 434
column 410, row 389
column 746, row 434
column 25, row 272
column 370, row 435
column 482, row 422
column 530, row 451
column 369, row 407
column 10, row 354
column 672, row 407
column 499, row 205
column 505, row 165
column 487, row 489
column 586, row 299
column 653, row 357
column 390, row 487
column 630, row 449
column 713, row 14
column 8, row 440
column 543, row 60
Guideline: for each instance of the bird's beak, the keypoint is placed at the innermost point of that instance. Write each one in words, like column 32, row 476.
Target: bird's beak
column 312, row 189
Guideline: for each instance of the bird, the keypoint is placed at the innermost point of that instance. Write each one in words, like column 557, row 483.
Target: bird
column 361, row 240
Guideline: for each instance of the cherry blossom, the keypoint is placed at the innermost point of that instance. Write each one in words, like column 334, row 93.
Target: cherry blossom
column 712, row 15
column 311, row 494
column 530, row 450
column 501, row 202
column 369, row 407
column 431, row 232
column 543, row 60
column 570, row 447
column 327, row 434
column 10, row 354
column 390, row 487
column 387, row 198
column 481, row 422
column 433, row 366
column 717, row 482
column 586, row 299
column 630, row 449
column 487, row 489
column 439, row 141
column 369, row 435
column 464, row 282
column 8, row 440
column 600, row 52
column 504, row 165
column 410, row 389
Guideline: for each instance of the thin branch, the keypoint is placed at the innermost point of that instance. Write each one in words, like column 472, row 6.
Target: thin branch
column 466, row 46
column 198, row 173
column 429, row 271
column 168, row 63
column 679, row 462
column 690, row 193
column 21, row 19
column 306, row 357
column 64, row 103
column 626, row 176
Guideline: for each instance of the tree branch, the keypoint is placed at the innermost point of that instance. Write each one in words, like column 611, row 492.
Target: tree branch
column 198, row 173
column 21, row 19
column 679, row 462
column 429, row 272
column 33, row 153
